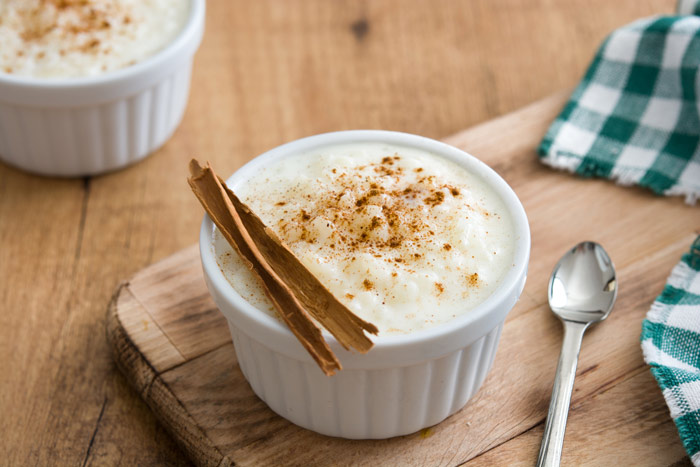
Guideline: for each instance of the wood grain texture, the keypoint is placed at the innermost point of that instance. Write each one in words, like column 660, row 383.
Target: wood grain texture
column 616, row 406
column 268, row 71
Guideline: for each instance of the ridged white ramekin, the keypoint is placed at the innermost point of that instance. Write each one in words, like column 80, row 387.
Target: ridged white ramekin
column 90, row 125
column 405, row 382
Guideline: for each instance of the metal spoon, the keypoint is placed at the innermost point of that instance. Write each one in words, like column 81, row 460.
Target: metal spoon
column 582, row 290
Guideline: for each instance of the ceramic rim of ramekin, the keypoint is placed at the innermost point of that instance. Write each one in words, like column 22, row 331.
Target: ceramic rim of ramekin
column 388, row 350
column 89, row 90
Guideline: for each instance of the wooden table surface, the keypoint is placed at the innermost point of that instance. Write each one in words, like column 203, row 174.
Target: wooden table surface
column 267, row 72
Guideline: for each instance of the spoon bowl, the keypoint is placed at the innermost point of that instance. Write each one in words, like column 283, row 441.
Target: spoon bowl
column 583, row 285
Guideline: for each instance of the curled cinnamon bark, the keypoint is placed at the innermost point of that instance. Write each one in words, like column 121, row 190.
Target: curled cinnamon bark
column 295, row 292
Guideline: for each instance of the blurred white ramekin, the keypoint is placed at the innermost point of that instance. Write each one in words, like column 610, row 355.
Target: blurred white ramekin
column 405, row 382
column 90, row 125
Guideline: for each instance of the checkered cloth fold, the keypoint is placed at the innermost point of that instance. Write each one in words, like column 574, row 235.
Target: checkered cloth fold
column 634, row 117
column 671, row 345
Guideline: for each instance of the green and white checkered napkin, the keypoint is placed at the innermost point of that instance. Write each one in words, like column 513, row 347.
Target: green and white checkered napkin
column 671, row 345
column 634, row 117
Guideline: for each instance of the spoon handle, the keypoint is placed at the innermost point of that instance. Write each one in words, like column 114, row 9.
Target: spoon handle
column 553, row 439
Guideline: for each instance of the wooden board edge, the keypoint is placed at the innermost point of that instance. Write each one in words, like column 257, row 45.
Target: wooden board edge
column 145, row 332
column 156, row 393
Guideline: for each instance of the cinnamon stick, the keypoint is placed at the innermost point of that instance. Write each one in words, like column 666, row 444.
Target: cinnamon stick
column 206, row 186
column 293, row 289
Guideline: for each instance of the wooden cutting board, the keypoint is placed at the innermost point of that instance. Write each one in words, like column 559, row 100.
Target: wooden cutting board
column 174, row 346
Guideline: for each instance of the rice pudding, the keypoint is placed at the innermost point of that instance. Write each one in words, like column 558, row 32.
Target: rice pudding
column 74, row 38
column 404, row 238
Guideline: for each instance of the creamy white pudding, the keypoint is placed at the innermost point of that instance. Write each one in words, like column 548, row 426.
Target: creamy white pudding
column 75, row 38
column 404, row 238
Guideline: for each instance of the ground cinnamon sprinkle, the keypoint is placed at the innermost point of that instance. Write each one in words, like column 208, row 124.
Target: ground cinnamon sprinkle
column 395, row 217
column 386, row 236
column 87, row 35
column 94, row 43
column 380, row 210
column 435, row 198
column 78, row 18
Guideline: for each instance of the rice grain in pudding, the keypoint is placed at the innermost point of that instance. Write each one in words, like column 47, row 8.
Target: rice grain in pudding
column 75, row 38
column 404, row 238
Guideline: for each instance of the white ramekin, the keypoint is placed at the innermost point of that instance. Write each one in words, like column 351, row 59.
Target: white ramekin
column 405, row 382
column 90, row 125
